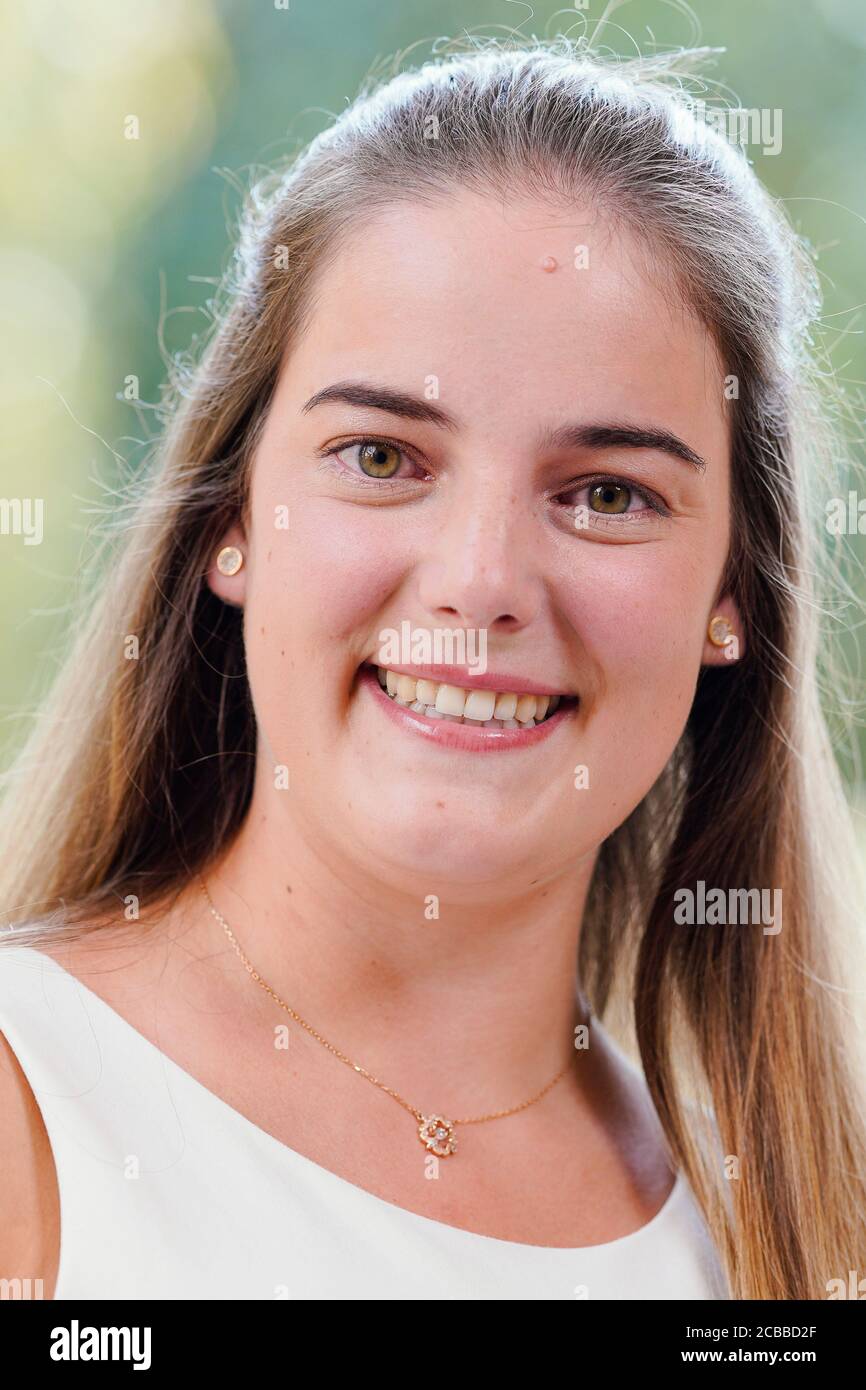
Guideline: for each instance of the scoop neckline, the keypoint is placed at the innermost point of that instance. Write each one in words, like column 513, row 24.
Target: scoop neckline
column 460, row 1233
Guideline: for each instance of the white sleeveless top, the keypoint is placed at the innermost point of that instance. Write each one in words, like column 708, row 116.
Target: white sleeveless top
column 167, row 1192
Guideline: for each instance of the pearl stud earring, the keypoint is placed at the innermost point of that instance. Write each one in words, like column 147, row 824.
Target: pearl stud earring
column 719, row 630
column 229, row 560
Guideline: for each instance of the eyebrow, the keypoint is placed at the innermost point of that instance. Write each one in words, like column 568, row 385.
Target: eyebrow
column 383, row 398
column 623, row 436
column 575, row 436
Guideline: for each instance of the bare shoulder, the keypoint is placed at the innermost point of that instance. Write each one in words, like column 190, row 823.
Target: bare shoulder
column 107, row 952
column 29, row 1200
column 114, row 957
column 110, row 959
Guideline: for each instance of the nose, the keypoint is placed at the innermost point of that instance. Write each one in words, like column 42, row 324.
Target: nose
column 482, row 569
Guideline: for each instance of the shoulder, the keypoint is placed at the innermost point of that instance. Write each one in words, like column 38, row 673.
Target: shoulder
column 110, row 960
column 101, row 953
column 29, row 1199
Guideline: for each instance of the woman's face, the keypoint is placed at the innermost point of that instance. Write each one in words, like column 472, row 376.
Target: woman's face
column 498, row 502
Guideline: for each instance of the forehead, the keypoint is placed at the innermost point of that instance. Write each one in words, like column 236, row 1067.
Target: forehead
column 458, row 291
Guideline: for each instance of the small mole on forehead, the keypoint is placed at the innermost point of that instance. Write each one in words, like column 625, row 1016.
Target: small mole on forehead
column 549, row 263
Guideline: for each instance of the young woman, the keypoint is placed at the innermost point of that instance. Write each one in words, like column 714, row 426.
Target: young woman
column 448, row 722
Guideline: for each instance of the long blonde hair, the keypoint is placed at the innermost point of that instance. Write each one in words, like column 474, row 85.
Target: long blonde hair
column 139, row 771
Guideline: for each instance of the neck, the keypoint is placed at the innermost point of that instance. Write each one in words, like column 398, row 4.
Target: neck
column 474, row 984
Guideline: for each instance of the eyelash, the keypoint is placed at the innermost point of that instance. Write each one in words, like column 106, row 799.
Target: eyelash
column 328, row 456
column 654, row 503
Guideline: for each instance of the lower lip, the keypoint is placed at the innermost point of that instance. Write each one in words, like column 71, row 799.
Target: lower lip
column 463, row 736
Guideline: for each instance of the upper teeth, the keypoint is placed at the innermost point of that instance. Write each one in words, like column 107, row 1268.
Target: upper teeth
column 436, row 699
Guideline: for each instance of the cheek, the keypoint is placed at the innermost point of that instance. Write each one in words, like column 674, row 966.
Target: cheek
column 326, row 575
column 640, row 617
column 314, row 598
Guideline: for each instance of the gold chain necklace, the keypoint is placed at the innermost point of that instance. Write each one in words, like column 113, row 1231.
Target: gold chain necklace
column 435, row 1131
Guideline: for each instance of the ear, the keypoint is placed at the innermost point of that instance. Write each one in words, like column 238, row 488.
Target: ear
column 231, row 588
column 733, row 645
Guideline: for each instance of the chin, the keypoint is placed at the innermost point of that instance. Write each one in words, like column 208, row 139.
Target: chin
column 438, row 848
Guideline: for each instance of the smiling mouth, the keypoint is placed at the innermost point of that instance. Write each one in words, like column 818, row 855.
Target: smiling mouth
column 480, row 709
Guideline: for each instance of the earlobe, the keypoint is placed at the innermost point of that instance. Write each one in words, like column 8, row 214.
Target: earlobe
column 226, row 576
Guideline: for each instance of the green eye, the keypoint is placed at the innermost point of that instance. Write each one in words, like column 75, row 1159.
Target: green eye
column 378, row 460
column 609, row 497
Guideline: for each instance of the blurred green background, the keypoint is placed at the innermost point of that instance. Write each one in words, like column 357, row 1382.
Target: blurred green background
column 106, row 238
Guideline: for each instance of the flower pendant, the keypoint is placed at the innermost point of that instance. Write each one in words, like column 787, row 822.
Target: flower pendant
column 437, row 1135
